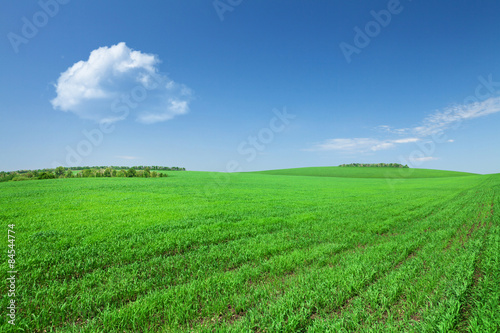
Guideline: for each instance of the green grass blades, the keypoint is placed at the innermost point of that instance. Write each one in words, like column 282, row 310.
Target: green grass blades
column 256, row 252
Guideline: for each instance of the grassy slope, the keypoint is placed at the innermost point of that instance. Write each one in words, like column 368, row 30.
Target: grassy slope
column 248, row 252
column 370, row 172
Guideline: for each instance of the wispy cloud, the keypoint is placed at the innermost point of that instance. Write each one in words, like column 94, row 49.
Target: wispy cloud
column 446, row 118
column 360, row 145
column 436, row 123
column 117, row 81
column 425, row 159
column 389, row 129
column 406, row 140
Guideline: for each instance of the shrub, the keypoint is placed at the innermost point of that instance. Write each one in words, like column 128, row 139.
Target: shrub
column 46, row 175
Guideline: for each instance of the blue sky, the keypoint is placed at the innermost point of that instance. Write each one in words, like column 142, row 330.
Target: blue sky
column 250, row 85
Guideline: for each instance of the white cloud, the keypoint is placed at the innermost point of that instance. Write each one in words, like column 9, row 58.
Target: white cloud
column 407, row 140
column 436, row 123
column 442, row 120
column 389, row 129
column 425, row 159
column 356, row 144
column 174, row 108
column 446, row 118
column 116, row 82
column 382, row 146
column 360, row 145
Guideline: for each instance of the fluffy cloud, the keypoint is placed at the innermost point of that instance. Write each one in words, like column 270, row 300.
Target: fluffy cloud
column 116, row 82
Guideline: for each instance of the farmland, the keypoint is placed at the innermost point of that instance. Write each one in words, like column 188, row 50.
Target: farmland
column 391, row 173
column 298, row 250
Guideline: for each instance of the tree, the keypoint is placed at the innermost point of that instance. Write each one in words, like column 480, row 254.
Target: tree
column 69, row 174
column 131, row 172
column 107, row 172
column 59, row 171
column 46, row 175
column 86, row 173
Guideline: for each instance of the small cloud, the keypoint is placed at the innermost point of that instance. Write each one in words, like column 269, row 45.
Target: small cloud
column 127, row 157
column 360, row 145
column 356, row 144
column 392, row 130
column 174, row 108
column 450, row 140
column 407, row 140
column 425, row 159
column 382, row 146
column 115, row 82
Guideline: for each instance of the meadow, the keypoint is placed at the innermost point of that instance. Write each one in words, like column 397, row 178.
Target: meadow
column 299, row 250
column 371, row 172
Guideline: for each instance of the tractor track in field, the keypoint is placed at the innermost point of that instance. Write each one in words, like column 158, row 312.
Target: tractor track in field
column 293, row 273
column 468, row 304
column 347, row 303
column 164, row 254
column 290, row 273
column 133, row 298
column 464, row 232
column 385, row 237
column 234, row 270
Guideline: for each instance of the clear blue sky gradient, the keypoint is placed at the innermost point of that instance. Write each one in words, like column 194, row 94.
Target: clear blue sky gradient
column 264, row 55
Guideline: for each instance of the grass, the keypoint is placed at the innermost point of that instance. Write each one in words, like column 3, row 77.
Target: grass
column 368, row 172
column 255, row 252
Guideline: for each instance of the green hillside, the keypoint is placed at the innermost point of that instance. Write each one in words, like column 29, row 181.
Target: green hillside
column 366, row 172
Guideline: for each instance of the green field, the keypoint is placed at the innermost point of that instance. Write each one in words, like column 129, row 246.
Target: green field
column 256, row 252
column 360, row 172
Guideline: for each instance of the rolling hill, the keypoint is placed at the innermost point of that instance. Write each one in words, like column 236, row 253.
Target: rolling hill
column 369, row 172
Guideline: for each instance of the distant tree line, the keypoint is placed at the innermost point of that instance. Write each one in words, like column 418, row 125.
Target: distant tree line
column 147, row 172
column 85, row 172
column 375, row 165
column 139, row 167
